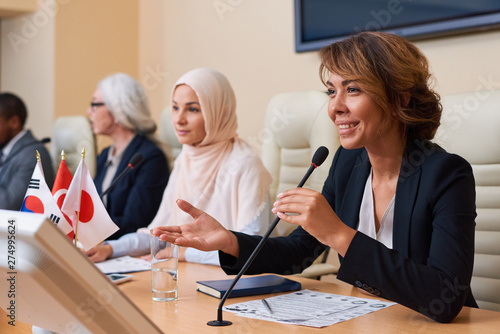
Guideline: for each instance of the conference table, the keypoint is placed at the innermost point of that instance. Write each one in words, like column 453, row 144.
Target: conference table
column 193, row 309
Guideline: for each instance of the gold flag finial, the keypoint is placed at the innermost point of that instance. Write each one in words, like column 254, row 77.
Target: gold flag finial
column 83, row 153
column 63, row 155
column 37, row 156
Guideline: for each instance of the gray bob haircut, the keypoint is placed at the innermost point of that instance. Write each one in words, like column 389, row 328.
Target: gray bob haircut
column 126, row 100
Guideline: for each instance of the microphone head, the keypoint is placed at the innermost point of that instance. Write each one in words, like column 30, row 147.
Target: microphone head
column 136, row 160
column 45, row 140
column 320, row 156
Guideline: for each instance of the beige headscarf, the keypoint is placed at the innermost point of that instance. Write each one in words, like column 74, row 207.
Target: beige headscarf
column 222, row 175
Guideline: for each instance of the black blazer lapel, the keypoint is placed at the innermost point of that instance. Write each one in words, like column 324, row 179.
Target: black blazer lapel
column 351, row 203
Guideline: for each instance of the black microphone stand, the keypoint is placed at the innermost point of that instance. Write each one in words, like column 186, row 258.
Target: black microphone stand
column 135, row 161
column 219, row 321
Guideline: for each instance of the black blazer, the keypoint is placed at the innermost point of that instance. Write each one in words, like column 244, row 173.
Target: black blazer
column 430, row 266
column 135, row 199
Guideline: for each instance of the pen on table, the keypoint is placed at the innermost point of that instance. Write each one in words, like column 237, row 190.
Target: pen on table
column 266, row 304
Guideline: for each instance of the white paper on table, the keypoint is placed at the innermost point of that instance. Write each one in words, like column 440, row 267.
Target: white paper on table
column 308, row 308
column 124, row 264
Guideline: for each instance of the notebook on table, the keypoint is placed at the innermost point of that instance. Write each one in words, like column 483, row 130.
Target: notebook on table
column 248, row 286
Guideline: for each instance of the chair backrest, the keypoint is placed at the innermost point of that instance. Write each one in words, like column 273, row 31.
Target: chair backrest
column 470, row 128
column 296, row 124
column 167, row 137
column 72, row 134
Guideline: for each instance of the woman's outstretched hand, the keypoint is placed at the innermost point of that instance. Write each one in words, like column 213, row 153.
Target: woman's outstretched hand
column 204, row 233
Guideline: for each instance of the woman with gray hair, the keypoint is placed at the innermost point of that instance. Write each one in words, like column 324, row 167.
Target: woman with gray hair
column 119, row 110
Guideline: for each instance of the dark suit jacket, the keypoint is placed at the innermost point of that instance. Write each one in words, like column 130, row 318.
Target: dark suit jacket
column 17, row 169
column 430, row 266
column 133, row 202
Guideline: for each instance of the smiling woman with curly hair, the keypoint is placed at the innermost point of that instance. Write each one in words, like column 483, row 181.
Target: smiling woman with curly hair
column 403, row 227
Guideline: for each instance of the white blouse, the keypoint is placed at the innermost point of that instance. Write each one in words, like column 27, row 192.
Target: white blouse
column 367, row 217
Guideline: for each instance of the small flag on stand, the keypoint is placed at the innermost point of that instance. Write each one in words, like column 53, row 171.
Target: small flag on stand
column 85, row 209
column 61, row 186
column 38, row 199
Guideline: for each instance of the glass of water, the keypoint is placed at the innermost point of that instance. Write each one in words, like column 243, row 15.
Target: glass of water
column 164, row 265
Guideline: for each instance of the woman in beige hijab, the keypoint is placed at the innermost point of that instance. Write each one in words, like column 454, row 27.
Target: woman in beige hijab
column 216, row 170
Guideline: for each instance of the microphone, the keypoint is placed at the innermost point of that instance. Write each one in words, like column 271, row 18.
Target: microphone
column 134, row 162
column 318, row 158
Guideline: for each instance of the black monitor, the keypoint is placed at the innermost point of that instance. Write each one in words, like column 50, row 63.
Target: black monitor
column 321, row 22
column 53, row 285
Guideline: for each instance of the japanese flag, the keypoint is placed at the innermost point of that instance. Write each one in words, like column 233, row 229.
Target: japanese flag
column 38, row 199
column 94, row 223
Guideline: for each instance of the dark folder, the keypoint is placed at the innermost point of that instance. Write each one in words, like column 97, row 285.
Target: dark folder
column 248, row 286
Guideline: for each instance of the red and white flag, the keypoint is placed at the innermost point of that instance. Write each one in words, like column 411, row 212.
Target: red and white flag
column 94, row 223
column 38, row 199
column 60, row 188
column 61, row 183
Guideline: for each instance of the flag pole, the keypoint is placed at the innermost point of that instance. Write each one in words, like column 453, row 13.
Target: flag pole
column 79, row 197
column 39, row 161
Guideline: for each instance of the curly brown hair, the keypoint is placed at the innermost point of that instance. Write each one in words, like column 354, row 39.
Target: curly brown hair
column 394, row 72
